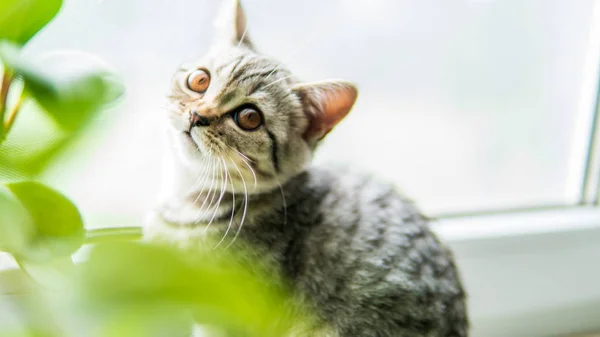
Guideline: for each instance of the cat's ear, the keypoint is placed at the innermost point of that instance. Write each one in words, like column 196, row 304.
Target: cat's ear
column 231, row 25
column 325, row 103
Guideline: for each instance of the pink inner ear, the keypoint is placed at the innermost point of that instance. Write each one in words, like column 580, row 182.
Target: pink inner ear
column 330, row 103
column 336, row 106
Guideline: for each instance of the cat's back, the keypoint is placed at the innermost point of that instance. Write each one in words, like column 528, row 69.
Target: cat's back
column 368, row 257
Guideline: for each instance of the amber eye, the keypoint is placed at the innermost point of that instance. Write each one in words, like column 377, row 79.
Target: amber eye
column 248, row 118
column 199, row 81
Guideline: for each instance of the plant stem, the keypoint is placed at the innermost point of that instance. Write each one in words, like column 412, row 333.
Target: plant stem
column 113, row 234
column 4, row 85
column 12, row 115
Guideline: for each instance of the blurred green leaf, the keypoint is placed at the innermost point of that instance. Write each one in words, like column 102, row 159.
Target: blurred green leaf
column 36, row 314
column 57, row 225
column 70, row 99
column 215, row 287
column 14, row 282
column 26, row 334
column 70, row 91
column 146, row 322
column 52, row 274
column 16, row 225
column 22, row 19
column 26, row 161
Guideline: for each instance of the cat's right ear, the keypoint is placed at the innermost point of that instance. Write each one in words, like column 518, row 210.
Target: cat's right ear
column 231, row 25
column 325, row 104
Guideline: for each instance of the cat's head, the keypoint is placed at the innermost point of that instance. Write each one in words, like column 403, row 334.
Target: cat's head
column 244, row 114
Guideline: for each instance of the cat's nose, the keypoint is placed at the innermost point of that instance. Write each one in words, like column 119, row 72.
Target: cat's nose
column 198, row 120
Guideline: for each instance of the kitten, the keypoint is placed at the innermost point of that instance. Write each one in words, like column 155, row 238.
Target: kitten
column 242, row 131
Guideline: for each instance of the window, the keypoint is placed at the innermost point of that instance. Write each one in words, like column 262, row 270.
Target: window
column 466, row 105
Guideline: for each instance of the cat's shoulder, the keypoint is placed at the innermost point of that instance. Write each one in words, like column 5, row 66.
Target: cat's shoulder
column 347, row 178
column 346, row 185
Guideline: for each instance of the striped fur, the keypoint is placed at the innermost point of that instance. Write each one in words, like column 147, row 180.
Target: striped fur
column 355, row 249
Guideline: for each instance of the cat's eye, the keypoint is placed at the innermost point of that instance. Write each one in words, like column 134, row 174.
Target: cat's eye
column 198, row 81
column 248, row 118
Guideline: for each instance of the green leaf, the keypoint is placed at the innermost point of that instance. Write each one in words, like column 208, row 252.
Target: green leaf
column 20, row 20
column 71, row 99
column 16, row 225
column 23, row 160
column 133, row 277
column 15, row 282
column 57, row 225
column 70, row 89
column 52, row 274
column 31, row 333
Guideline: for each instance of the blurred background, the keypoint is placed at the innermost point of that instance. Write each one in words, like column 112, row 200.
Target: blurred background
column 467, row 105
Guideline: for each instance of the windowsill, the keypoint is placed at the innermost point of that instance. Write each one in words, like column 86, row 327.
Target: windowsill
column 519, row 223
column 531, row 273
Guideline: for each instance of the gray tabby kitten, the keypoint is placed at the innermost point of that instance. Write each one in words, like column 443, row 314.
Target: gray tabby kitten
column 243, row 130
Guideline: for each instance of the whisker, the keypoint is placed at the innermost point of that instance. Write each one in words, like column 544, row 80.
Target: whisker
column 210, row 189
column 223, row 190
column 209, row 169
column 284, row 202
column 198, row 182
column 251, row 169
column 243, row 36
column 244, row 158
column 205, row 179
column 273, row 71
column 238, row 152
column 232, row 210
column 278, row 80
column 245, row 204
column 201, row 177
column 214, row 190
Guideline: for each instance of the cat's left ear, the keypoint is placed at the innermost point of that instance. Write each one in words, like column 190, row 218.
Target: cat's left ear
column 325, row 104
column 231, row 25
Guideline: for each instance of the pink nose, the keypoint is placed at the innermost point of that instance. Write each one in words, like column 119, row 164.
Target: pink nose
column 198, row 120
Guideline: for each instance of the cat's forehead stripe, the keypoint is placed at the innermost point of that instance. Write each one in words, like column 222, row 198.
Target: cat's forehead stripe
column 244, row 70
column 237, row 62
column 252, row 64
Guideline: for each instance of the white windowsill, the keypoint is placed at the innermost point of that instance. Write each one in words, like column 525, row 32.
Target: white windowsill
column 529, row 273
